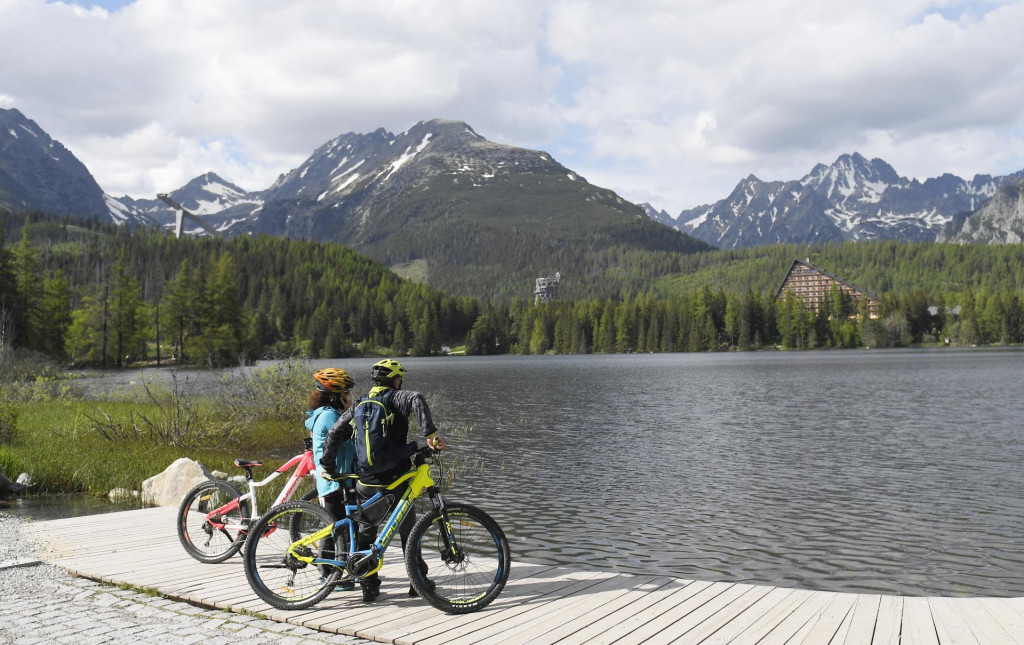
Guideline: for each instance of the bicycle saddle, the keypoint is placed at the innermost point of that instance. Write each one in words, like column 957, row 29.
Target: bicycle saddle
column 245, row 463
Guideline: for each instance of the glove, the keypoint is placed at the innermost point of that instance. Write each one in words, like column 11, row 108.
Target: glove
column 331, row 475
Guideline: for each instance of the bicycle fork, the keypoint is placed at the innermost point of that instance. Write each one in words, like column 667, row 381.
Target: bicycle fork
column 453, row 553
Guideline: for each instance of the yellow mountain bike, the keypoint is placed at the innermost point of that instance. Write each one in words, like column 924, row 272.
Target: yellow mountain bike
column 296, row 553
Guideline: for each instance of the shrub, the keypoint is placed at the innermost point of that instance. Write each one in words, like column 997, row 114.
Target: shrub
column 276, row 392
column 179, row 420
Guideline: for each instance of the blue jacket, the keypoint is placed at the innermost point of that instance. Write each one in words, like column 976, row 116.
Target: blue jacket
column 319, row 422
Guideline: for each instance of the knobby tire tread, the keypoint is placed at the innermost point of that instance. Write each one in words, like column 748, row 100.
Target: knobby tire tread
column 190, row 499
column 497, row 546
column 290, row 512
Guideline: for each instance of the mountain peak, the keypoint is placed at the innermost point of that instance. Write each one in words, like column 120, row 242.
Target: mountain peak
column 854, row 198
column 38, row 172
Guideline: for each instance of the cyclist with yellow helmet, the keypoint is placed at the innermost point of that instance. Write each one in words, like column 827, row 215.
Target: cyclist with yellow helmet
column 402, row 405
column 329, row 398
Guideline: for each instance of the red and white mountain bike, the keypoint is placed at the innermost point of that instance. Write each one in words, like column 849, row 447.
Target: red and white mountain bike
column 214, row 518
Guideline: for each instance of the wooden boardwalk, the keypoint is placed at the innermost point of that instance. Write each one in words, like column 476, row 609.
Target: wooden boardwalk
column 540, row 604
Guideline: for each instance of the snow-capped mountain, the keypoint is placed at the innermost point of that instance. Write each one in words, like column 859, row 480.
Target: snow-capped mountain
column 438, row 200
column 999, row 221
column 354, row 183
column 852, row 199
column 217, row 201
column 37, row 172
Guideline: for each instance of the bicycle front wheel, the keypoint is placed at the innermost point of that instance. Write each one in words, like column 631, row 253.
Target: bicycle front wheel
column 208, row 534
column 468, row 579
column 278, row 577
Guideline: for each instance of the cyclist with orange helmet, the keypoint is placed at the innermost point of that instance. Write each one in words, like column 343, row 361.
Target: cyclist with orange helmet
column 329, row 398
column 401, row 405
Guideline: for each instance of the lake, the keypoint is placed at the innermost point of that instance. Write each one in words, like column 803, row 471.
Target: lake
column 881, row 471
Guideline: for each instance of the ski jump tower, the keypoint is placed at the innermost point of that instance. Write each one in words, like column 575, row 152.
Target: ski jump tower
column 181, row 215
column 546, row 289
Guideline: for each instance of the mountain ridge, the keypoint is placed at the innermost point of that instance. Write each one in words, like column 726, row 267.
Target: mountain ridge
column 38, row 172
column 852, row 199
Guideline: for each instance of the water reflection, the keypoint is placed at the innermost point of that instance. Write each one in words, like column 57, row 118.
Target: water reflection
column 49, row 507
column 881, row 471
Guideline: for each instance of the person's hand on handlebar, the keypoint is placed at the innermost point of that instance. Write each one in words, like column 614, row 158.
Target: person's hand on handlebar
column 435, row 442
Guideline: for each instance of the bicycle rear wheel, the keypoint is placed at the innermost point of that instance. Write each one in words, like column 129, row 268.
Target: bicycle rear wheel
column 468, row 580
column 276, row 576
column 212, row 538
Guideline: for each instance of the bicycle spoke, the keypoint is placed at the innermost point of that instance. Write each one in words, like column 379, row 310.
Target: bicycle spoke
column 469, row 579
column 275, row 574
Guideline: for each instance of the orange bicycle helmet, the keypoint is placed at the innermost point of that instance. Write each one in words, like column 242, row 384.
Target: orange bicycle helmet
column 333, row 379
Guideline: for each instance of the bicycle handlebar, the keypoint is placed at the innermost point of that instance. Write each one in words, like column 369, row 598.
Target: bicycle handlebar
column 422, row 454
column 419, row 457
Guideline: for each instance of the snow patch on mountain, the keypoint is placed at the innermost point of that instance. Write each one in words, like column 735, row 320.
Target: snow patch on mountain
column 407, row 155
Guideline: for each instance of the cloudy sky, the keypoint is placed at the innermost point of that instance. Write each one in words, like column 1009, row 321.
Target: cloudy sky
column 668, row 102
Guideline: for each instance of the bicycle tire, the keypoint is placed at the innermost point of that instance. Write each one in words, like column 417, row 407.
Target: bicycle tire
column 200, row 539
column 278, row 578
column 311, row 497
column 473, row 582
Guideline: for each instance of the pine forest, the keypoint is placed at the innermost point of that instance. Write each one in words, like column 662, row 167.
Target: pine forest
column 100, row 295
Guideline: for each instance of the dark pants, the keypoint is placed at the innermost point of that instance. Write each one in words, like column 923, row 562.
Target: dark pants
column 335, row 505
column 366, row 534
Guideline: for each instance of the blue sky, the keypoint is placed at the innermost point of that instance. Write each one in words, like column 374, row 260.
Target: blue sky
column 667, row 102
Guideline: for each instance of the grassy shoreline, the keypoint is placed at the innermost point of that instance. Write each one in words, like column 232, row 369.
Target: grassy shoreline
column 72, row 444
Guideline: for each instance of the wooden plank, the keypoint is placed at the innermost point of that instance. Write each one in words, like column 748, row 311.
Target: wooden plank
column 728, row 612
column 629, row 604
column 918, row 628
column 800, row 620
column 729, row 632
column 564, row 604
column 769, row 620
column 680, row 616
column 598, row 604
column 889, row 620
column 536, row 598
column 984, row 625
column 526, row 585
column 860, row 623
column 825, row 628
column 541, row 604
column 1009, row 612
column 950, row 626
column 664, row 599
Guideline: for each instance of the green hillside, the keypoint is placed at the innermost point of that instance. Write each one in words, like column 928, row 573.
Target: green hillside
column 102, row 295
column 878, row 267
column 492, row 244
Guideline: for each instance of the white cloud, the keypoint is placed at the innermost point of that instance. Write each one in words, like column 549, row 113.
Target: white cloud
column 662, row 101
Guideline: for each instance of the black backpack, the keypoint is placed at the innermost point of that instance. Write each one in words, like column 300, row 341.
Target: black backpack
column 372, row 423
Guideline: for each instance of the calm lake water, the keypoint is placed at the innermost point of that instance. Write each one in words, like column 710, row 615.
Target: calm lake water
column 861, row 471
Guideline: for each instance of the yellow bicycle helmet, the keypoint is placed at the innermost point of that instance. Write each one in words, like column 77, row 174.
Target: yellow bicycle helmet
column 385, row 370
column 333, row 379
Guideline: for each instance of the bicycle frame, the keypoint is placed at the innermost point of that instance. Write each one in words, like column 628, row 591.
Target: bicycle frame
column 419, row 480
column 303, row 465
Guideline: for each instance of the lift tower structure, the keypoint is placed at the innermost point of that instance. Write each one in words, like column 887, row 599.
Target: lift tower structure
column 181, row 214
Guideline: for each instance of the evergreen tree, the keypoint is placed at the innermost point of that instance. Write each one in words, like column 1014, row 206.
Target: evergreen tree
column 124, row 307
column 54, row 315
column 27, row 285
column 11, row 312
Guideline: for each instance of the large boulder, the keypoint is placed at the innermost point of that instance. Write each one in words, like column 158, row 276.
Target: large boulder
column 169, row 487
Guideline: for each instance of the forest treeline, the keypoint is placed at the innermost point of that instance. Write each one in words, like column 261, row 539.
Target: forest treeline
column 96, row 294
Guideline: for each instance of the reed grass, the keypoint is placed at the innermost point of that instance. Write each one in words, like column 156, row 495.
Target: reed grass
column 71, row 444
column 58, row 445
